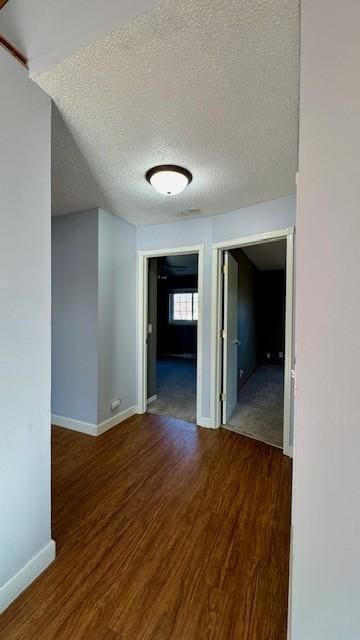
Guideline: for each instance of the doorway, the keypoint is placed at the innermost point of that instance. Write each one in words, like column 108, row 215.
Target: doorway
column 170, row 333
column 172, row 336
column 253, row 350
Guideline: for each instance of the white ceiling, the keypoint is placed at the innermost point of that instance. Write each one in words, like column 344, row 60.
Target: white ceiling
column 208, row 84
column 47, row 30
column 270, row 256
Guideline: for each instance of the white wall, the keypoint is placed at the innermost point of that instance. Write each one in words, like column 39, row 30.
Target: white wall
column 93, row 317
column 326, row 506
column 116, row 314
column 260, row 218
column 63, row 27
column 75, row 316
column 24, row 329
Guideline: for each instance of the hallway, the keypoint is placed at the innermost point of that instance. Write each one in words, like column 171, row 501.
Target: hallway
column 164, row 532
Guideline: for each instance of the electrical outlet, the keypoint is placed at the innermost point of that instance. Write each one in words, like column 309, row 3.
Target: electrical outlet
column 242, row 373
column 268, row 355
column 115, row 404
column 281, row 355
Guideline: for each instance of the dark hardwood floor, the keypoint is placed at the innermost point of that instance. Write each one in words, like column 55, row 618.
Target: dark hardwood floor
column 163, row 531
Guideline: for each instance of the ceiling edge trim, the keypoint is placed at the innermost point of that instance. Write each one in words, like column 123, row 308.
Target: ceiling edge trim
column 13, row 51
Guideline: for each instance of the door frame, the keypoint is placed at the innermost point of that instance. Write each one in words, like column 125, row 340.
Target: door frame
column 142, row 323
column 216, row 324
column 226, row 261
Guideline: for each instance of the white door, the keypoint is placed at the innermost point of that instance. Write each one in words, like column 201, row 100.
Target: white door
column 230, row 341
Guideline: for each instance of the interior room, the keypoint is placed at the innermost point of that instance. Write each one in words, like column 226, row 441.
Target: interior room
column 147, row 150
column 172, row 336
column 260, row 342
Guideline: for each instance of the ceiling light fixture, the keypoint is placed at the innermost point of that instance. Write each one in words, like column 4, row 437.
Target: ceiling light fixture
column 169, row 179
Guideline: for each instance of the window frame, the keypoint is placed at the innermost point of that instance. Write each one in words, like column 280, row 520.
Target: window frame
column 171, row 293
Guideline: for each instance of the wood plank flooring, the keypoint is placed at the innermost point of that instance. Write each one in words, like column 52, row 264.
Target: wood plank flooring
column 164, row 532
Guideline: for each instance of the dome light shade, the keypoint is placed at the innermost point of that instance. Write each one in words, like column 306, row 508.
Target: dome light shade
column 169, row 179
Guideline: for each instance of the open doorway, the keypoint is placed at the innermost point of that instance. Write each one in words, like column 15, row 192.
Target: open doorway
column 254, row 347
column 170, row 330
column 253, row 326
column 173, row 312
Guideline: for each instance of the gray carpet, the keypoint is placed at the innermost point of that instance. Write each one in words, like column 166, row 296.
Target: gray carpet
column 176, row 389
column 259, row 411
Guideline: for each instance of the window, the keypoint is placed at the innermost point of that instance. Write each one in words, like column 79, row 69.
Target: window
column 183, row 307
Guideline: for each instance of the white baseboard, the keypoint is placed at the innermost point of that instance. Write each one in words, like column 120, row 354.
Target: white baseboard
column 26, row 575
column 75, row 425
column 152, row 399
column 93, row 429
column 205, row 422
column 115, row 420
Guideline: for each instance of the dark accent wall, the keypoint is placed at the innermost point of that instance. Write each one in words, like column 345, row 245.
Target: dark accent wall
column 174, row 338
column 270, row 313
column 261, row 316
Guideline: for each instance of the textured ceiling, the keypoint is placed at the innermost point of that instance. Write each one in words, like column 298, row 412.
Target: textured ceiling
column 270, row 256
column 210, row 85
